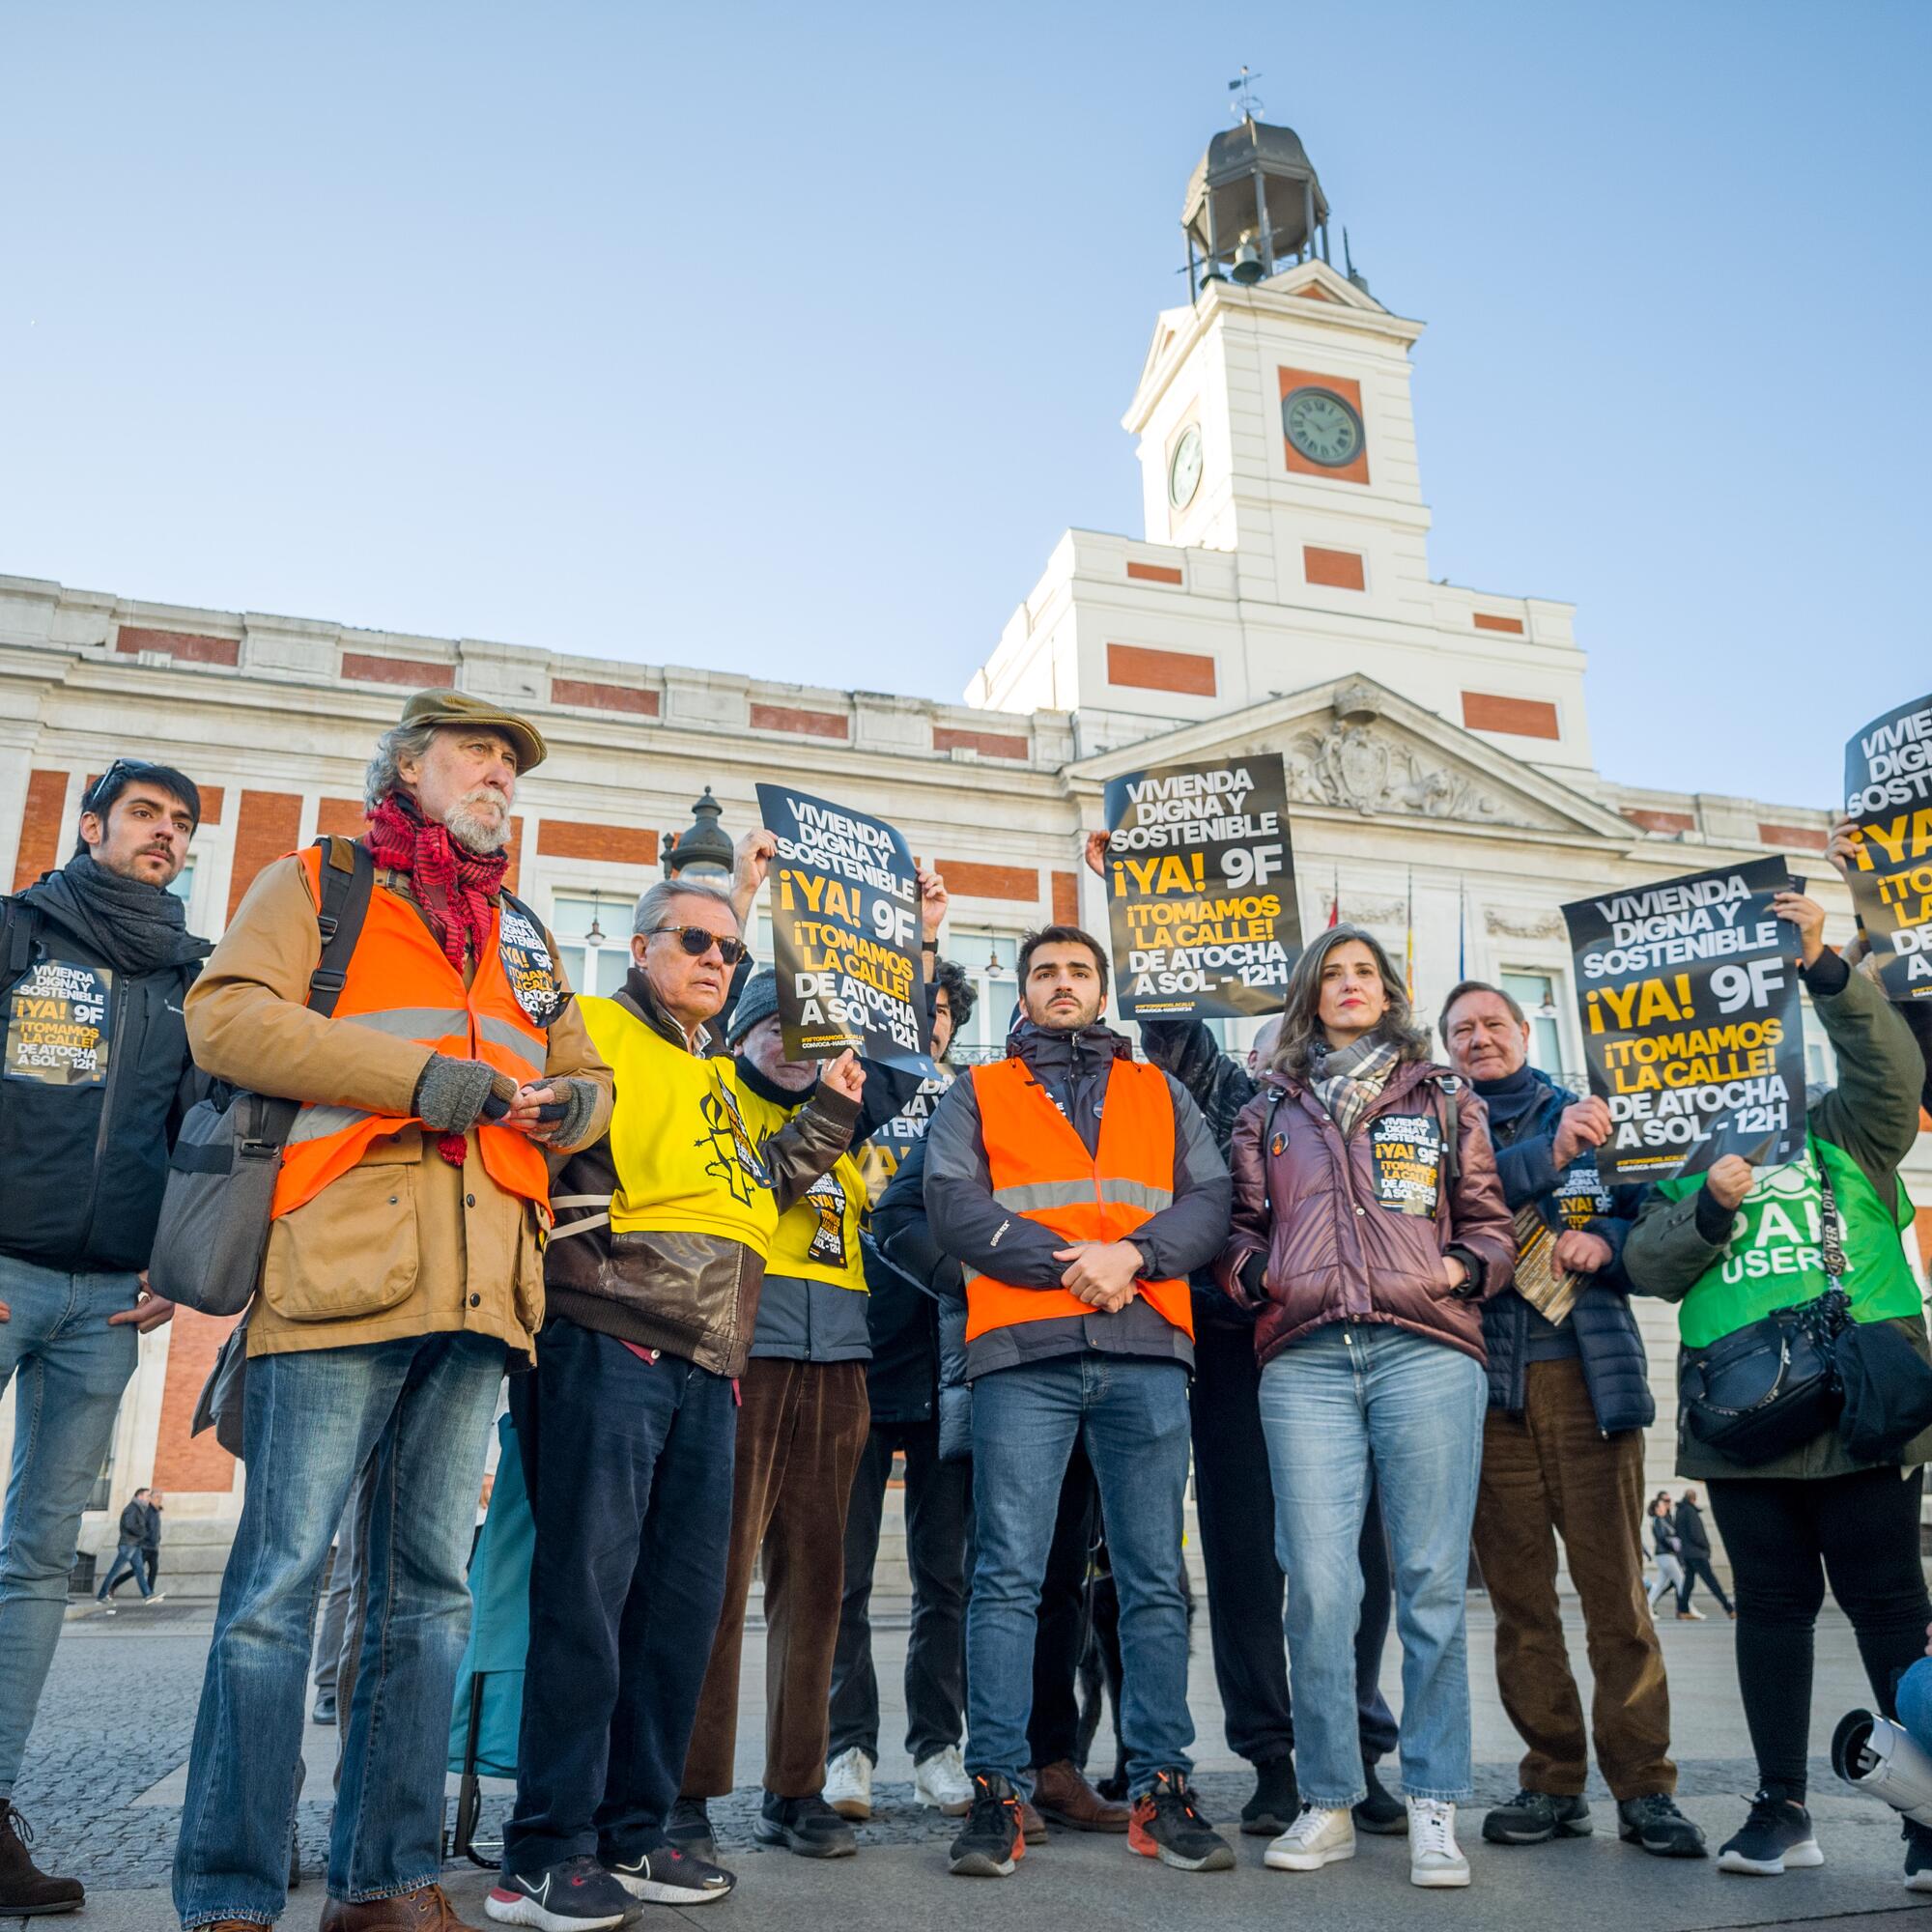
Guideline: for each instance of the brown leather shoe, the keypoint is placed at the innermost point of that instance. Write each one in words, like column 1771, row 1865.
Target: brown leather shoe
column 1032, row 1827
column 1065, row 1796
column 427, row 1909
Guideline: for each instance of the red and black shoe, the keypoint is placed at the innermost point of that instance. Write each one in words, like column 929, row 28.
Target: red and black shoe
column 1167, row 1826
column 991, row 1843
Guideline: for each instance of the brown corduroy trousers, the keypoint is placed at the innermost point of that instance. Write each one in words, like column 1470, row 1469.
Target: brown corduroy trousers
column 1551, row 1473
column 801, row 1429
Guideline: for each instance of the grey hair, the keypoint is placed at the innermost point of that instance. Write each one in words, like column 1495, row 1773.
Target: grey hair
column 384, row 776
column 1300, row 1020
column 659, row 897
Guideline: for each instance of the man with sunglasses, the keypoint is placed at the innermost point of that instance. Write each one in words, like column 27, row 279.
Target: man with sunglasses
column 95, row 960
column 627, row 1430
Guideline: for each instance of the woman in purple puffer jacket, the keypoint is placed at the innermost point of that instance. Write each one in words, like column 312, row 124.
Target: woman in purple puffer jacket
column 1368, row 1224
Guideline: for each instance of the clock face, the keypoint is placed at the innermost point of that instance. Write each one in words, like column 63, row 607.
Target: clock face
column 1183, row 471
column 1322, row 427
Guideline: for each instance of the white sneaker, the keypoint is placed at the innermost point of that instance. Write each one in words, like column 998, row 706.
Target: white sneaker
column 941, row 1781
column 1434, row 1859
column 1315, row 1839
column 848, row 1785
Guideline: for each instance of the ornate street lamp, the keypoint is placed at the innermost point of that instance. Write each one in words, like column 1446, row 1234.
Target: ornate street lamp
column 704, row 849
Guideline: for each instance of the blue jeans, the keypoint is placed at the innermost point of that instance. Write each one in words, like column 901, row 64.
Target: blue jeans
column 1130, row 1415
column 131, row 1560
column 72, row 1367
column 1913, row 1703
column 422, row 1404
column 1355, row 1395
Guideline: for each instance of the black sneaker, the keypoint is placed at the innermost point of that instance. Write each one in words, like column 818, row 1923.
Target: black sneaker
column 1776, row 1837
column 1917, row 1856
column 665, row 1875
column 990, row 1843
column 1535, row 1817
column 1655, row 1823
column 25, row 1889
column 576, row 1895
column 807, row 1826
column 1386, row 1816
column 688, row 1829
column 1276, row 1802
column 1167, row 1826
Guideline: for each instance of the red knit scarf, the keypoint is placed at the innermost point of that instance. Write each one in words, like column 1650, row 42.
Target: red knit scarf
column 453, row 887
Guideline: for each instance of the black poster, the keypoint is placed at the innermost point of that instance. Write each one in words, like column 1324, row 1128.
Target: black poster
column 1200, row 889
column 59, row 1025
column 845, row 930
column 1888, row 794
column 1691, row 1026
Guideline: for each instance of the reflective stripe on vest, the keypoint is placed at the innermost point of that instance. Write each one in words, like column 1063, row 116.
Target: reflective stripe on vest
column 1040, row 1168
column 399, row 983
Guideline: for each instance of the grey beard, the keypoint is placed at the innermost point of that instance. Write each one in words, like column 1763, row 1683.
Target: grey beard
column 475, row 833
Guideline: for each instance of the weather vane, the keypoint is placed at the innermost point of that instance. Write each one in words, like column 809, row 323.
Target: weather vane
column 1247, row 103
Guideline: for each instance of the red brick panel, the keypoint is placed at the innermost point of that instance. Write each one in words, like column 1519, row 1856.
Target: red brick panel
column 1660, row 822
column 988, row 744
column 991, row 882
column 613, row 845
column 515, row 848
column 340, row 818
column 1805, row 837
column 1065, row 899
column 1338, row 569
column 39, row 827
column 1154, row 573
column 1484, row 621
column 182, row 644
column 1298, row 464
column 1520, row 717
column 412, row 671
column 267, row 825
column 604, row 696
column 808, row 724
column 196, row 1465
column 213, row 798
column 1146, row 669
column 1922, row 1216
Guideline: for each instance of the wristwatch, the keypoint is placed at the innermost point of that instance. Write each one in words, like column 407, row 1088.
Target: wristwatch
column 1470, row 1287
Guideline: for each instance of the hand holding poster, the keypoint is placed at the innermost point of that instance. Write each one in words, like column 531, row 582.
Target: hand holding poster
column 1691, row 1026
column 1200, row 889
column 1889, row 796
column 845, row 930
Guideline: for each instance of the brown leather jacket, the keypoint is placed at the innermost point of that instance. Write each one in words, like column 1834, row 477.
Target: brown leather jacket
column 1356, row 1230
column 694, row 1296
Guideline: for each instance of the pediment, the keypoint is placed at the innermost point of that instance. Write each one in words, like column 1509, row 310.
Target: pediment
column 1353, row 745
column 1317, row 281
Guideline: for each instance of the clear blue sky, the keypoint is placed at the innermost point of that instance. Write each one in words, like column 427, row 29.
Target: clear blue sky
column 788, row 339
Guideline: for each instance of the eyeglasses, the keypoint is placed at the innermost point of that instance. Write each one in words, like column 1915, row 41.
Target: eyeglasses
column 698, row 940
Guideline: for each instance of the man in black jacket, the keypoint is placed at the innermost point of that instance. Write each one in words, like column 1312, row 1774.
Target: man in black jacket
column 128, row 1556
column 1563, row 1456
column 95, row 960
column 1695, row 1557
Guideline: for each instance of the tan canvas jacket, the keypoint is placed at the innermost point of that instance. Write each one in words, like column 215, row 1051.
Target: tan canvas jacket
column 403, row 1243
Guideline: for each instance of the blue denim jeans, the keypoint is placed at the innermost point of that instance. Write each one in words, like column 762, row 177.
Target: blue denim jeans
column 1130, row 1415
column 71, row 1369
column 129, row 1560
column 422, row 1404
column 1913, row 1703
column 1355, row 1395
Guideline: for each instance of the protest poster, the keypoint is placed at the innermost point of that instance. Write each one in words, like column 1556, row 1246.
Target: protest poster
column 846, row 932
column 1692, row 1027
column 1889, row 795
column 1200, row 889
column 60, row 1026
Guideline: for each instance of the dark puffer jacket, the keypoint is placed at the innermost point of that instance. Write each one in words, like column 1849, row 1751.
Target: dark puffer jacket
column 1311, row 1206
column 1607, row 1343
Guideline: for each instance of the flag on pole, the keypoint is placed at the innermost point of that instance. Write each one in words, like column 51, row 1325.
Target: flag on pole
column 1335, row 900
column 1463, row 929
column 1408, row 956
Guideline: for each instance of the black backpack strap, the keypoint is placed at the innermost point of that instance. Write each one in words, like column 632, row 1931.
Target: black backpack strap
column 347, row 877
column 20, row 928
column 1275, row 1098
column 1452, row 1133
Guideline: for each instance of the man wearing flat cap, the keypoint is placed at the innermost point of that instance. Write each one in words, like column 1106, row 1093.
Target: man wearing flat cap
column 404, row 1273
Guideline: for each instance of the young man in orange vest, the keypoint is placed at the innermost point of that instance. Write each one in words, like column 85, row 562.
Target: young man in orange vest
column 1077, row 1188
column 404, row 1273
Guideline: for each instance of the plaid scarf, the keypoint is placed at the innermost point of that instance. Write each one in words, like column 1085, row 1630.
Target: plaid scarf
column 453, row 885
column 1348, row 1080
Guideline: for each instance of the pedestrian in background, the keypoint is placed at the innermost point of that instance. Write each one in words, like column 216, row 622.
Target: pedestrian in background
column 1694, row 1554
column 131, row 1557
column 1666, row 1549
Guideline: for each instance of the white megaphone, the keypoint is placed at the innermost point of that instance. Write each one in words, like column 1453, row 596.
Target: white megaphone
column 1876, row 1756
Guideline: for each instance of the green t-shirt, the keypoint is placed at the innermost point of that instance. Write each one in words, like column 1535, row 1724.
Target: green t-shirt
column 1775, row 1254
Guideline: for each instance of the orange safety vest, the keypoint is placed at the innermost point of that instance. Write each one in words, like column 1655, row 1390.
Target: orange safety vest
column 400, row 983
column 1041, row 1168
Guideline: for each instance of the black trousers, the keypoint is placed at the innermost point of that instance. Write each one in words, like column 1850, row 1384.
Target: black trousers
column 938, row 1519
column 1234, row 1499
column 1787, row 1537
column 1698, row 1569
